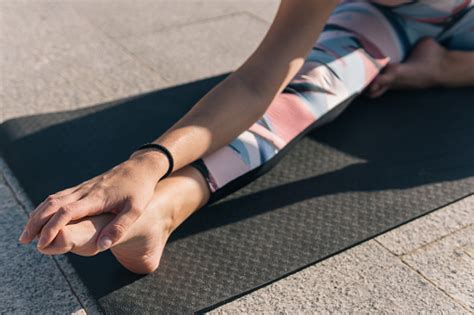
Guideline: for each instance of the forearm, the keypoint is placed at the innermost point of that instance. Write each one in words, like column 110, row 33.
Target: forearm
column 222, row 114
column 456, row 69
column 242, row 98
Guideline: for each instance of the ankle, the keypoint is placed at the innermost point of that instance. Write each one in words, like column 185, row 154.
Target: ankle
column 442, row 73
column 169, row 209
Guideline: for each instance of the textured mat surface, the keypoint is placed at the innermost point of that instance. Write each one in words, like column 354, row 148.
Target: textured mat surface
column 380, row 164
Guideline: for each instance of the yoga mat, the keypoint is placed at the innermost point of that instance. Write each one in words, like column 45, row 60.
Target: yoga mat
column 380, row 164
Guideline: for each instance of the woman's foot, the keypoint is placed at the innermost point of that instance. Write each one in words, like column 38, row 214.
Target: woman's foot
column 422, row 69
column 141, row 249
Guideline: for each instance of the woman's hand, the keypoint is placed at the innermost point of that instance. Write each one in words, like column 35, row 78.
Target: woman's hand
column 124, row 190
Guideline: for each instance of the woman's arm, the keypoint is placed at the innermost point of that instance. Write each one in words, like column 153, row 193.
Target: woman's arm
column 220, row 116
column 243, row 97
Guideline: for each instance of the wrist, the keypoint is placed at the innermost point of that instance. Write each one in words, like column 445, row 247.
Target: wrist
column 154, row 160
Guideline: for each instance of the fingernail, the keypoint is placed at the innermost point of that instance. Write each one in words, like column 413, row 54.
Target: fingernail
column 104, row 243
column 23, row 235
column 41, row 242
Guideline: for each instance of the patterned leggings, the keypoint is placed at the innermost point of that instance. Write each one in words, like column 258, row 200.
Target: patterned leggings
column 359, row 39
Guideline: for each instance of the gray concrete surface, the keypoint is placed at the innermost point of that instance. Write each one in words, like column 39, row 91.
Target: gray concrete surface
column 449, row 264
column 30, row 282
column 365, row 279
column 187, row 53
column 436, row 225
column 434, row 276
column 61, row 55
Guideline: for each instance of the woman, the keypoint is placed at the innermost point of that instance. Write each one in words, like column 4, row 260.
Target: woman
column 282, row 91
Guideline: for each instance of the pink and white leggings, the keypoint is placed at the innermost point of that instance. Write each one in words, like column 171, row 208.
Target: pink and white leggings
column 359, row 39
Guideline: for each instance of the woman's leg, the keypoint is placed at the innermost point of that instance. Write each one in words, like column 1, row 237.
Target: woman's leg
column 459, row 36
column 342, row 63
column 438, row 60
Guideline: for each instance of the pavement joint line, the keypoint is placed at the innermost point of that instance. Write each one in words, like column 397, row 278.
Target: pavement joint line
column 117, row 43
column 420, row 274
column 193, row 23
column 109, row 98
column 133, row 55
column 424, row 217
column 10, row 188
column 143, row 62
column 174, row 26
column 23, row 207
column 422, row 246
column 436, row 286
column 257, row 17
column 467, row 253
column 436, row 240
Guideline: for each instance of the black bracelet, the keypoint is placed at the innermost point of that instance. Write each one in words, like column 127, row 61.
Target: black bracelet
column 165, row 151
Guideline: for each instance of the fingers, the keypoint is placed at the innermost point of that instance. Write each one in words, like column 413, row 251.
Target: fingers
column 65, row 214
column 44, row 212
column 116, row 230
column 62, row 244
column 79, row 237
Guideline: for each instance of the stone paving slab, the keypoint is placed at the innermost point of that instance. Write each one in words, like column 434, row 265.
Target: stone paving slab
column 53, row 59
column 51, row 22
column 50, row 63
column 88, row 303
column 200, row 50
column 265, row 9
column 364, row 279
column 30, row 282
column 449, row 264
column 38, row 94
column 123, row 18
column 6, row 200
column 430, row 227
column 11, row 187
column 41, row 39
column 17, row 199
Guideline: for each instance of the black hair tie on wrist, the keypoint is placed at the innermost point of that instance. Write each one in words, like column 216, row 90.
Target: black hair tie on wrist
column 165, row 151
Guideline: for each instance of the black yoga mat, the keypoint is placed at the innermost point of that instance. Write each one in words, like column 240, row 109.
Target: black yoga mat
column 380, row 164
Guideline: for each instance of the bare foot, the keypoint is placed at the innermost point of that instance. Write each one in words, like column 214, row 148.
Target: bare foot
column 141, row 248
column 420, row 70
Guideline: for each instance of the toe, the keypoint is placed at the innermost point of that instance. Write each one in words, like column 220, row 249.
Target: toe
column 383, row 81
